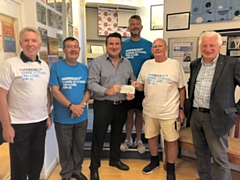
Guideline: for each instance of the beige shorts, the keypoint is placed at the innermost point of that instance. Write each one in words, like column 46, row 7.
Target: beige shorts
column 152, row 128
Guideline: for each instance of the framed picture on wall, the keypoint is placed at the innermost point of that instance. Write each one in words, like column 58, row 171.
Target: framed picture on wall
column 97, row 49
column 178, row 21
column 51, row 18
column 69, row 11
column 70, row 30
column 184, row 50
column 41, row 13
column 231, row 42
column 43, row 33
column 52, row 46
column 156, row 15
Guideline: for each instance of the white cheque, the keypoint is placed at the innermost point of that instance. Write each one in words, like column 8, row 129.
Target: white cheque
column 127, row 89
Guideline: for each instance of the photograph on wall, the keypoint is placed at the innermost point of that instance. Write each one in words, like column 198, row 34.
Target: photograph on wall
column 52, row 59
column 234, row 42
column 69, row 11
column 60, row 40
column 43, row 33
column 43, row 55
column 52, row 46
column 70, row 30
column 41, row 13
column 59, row 23
column 51, row 3
column 9, row 40
column 58, row 5
column 156, row 16
column 51, row 18
column 184, row 50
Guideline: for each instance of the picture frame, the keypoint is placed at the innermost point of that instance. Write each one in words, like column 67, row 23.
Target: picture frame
column 51, row 18
column 52, row 46
column 156, row 15
column 41, row 13
column 43, row 33
column 228, row 36
column 69, row 11
column 51, row 3
column 70, row 30
column 99, row 49
column 185, row 50
column 178, row 21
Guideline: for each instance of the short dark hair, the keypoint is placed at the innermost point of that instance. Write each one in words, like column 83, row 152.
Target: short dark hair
column 116, row 35
column 69, row 39
column 135, row 17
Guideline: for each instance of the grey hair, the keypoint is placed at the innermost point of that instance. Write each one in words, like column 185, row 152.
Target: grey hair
column 30, row 29
column 210, row 34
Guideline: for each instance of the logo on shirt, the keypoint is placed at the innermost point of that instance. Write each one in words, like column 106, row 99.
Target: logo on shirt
column 69, row 82
column 30, row 74
column 157, row 78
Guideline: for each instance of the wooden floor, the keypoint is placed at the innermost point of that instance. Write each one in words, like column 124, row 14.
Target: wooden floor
column 186, row 169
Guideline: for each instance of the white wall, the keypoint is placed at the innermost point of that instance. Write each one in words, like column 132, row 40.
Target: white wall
column 144, row 12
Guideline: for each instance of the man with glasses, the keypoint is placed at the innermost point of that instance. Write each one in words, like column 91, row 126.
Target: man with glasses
column 68, row 79
column 162, row 80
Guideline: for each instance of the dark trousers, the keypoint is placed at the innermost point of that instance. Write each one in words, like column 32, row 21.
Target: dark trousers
column 27, row 151
column 105, row 114
column 71, row 138
column 207, row 144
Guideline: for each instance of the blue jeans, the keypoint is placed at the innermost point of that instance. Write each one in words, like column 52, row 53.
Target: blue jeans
column 207, row 144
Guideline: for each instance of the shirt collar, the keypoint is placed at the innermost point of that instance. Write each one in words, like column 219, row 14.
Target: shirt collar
column 25, row 58
column 213, row 62
column 120, row 57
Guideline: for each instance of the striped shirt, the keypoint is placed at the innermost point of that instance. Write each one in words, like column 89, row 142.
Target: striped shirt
column 103, row 74
column 203, row 85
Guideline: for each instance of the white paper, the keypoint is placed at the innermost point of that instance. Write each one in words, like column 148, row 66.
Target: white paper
column 127, row 89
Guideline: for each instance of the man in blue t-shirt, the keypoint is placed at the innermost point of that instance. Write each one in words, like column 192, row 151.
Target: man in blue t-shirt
column 137, row 50
column 68, row 79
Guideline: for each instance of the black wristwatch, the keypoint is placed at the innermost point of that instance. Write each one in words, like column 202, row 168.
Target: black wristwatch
column 50, row 115
column 181, row 108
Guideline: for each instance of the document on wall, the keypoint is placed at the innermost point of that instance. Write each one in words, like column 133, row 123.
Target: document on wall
column 127, row 89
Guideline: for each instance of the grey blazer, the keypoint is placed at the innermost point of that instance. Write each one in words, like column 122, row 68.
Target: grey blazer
column 222, row 102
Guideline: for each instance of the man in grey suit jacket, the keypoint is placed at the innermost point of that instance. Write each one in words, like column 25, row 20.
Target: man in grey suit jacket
column 211, row 106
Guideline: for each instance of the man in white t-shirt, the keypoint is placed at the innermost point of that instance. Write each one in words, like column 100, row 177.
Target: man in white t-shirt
column 162, row 80
column 25, row 107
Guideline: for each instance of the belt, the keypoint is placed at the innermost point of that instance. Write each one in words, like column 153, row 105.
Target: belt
column 117, row 102
column 203, row 110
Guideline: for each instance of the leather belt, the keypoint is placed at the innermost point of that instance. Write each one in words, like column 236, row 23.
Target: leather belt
column 203, row 110
column 117, row 102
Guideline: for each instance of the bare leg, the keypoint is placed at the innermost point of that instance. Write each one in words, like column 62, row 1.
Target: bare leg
column 129, row 124
column 138, row 123
column 153, row 146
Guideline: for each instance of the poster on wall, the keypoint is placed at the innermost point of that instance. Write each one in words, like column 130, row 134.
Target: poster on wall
column 108, row 23
column 8, row 37
column 52, row 59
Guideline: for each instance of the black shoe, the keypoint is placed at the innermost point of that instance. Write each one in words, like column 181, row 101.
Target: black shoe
column 94, row 175
column 150, row 167
column 171, row 171
column 79, row 176
column 119, row 165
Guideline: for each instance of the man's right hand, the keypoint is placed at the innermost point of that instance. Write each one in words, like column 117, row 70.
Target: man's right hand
column 8, row 134
column 113, row 90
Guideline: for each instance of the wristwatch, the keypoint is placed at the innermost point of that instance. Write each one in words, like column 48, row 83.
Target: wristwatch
column 181, row 108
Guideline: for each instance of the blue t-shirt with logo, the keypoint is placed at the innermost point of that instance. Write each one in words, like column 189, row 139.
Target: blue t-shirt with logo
column 72, row 83
column 137, row 52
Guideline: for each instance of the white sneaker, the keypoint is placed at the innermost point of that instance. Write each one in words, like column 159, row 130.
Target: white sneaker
column 124, row 147
column 140, row 146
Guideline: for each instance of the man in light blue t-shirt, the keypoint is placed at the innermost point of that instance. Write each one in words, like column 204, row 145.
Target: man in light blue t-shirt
column 68, row 79
column 137, row 50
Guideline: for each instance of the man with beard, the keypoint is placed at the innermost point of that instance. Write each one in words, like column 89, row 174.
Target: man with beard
column 137, row 50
